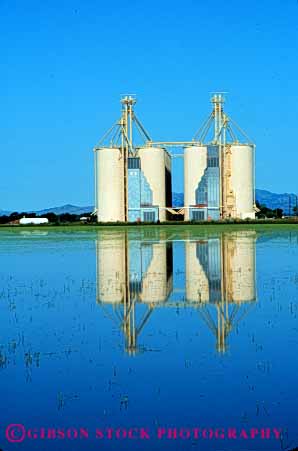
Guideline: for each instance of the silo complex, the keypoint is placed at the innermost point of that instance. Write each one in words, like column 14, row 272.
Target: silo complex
column 219, row 173
column 133, row 183
column 134, row 180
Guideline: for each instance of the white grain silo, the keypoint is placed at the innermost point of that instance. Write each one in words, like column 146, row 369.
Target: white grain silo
column 110, row 184
column 155, row 162
column 110, row 269
column 195, row 163
column 242, row 180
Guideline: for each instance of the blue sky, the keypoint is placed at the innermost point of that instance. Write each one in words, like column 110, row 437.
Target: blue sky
column 64, row 65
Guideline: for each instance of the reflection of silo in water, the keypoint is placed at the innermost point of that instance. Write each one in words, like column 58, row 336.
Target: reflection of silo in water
column 209, row 256
column 130, row 271
column 144, row 268
column 157, row 277
column 197, row 285
column 222, row 268
column 239, row 266
column 110, row 265
column 225, row 267
column 140, row 256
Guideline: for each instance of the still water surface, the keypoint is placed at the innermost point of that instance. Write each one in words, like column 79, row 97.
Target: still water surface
column 153, row 328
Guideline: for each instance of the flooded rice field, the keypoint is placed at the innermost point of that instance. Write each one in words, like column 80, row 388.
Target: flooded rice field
column 148, row 338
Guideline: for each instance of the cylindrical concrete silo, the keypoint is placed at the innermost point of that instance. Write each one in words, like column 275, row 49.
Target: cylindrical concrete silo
column 153, row 166
column 242, row 179
column 110, row 185
column 196, row 280
column 110, row 269
column 195, row 163
column 154, row 282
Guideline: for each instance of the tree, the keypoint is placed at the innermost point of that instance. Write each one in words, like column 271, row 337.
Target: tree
column 68, row 217
column 266, row 212
column 4, row 219
column 52, row 217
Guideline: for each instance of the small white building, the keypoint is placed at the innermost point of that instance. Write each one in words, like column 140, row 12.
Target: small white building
column 37, row 221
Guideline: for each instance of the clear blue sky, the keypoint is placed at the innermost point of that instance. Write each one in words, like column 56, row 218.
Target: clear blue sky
column 64, row 65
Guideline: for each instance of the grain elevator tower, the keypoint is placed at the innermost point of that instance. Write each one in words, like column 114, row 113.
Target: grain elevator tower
column 219, row 179
column 132, row 179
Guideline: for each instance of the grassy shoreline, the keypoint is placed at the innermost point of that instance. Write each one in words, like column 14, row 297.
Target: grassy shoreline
column 241, row 225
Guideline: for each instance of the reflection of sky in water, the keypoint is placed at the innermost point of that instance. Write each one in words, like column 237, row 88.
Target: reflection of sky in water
column 149, row 328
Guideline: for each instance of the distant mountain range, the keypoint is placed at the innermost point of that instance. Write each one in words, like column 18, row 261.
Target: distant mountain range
column 286, row 201
column 4, row 213
column 73, row 209
column 177, row 199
